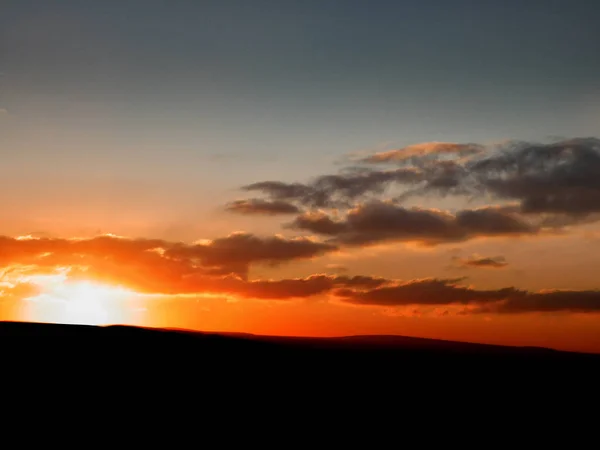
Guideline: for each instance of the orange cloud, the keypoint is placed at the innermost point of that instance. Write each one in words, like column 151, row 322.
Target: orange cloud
column 160, row 267
column 424, row 150
column 256, row 206
column 478, row 262
column 151, row 262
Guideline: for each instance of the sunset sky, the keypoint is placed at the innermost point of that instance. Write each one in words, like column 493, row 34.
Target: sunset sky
column 318, row 167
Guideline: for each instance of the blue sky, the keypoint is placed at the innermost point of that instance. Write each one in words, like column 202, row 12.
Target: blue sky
column 206, row 96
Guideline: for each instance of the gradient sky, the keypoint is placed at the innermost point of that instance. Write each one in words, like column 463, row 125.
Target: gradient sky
column 145, row 118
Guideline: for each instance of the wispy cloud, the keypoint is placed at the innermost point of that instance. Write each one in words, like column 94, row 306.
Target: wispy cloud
column 255, row 206
column 481, row 262
column 424, row 151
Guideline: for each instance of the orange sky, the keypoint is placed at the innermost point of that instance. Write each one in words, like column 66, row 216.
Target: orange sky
column 494, row 273
column 360, row 168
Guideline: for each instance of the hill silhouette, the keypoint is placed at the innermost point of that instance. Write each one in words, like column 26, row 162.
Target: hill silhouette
column 229, row 374
column 390, row 352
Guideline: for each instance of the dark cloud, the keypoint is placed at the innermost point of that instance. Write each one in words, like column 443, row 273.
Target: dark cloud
column 441, row 178
column 339, row 190
column 380, row 222
column 262, row 207
column 493, row 221
column 423, row 292
column 318, row 222
column 344, row 189
column 431, row 292
column 373, row 291
column 560, row 177
column 279, row 190
column 285, row 289
column 355, row 185
column 302, row 287
column 239, row 250
column 361, row 281
column 557, row 184
column 549, row 301
column 491, row 262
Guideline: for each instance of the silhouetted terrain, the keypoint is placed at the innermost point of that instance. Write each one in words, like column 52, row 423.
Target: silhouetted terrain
column 235, row 378
column 127, row 344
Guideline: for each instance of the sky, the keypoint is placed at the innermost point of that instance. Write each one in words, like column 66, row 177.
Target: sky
column 335, row 167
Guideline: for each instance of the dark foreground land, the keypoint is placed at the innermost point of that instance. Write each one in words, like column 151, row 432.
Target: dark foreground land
column 222, row 373
column 129, row 346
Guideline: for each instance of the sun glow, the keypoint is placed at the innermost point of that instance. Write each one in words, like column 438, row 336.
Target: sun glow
column 79, row 302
